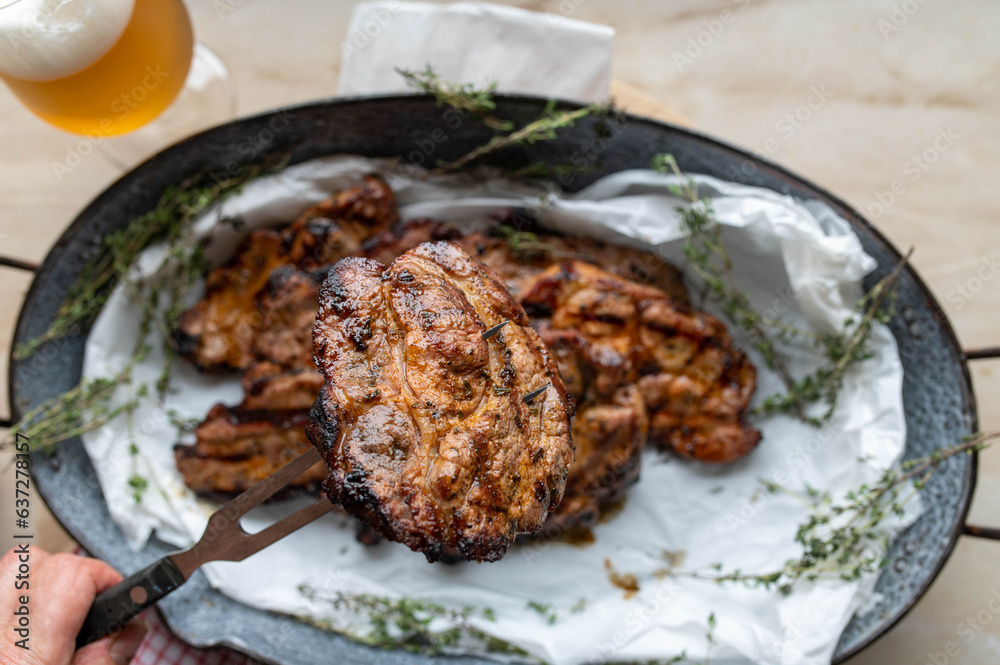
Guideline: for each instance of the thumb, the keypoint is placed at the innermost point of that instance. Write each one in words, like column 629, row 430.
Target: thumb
column 114, row 649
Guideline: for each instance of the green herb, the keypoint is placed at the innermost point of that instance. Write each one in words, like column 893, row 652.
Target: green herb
column 840, row 351
column 545, row 610
column 88, row 405
column 710, row 638
column 542, row 129
column 405, row 623
column 545, row 170
column 167, row 221
column 81, row 409
column 467, row 98
column 181, row 424
column 138, row 485
column 464, row 97
column 707, row 256
column 524, row 245
column 843, row 540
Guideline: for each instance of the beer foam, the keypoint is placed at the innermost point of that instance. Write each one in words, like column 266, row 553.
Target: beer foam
column 42, row 40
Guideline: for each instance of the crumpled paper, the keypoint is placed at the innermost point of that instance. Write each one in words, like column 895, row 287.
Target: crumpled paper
column 794, row 258
column 523, row 52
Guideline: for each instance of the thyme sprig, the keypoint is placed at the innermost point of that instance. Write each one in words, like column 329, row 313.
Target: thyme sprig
column 841, row 350
column 708, row 258
column 707, row 255
column 844, row 539
column 88, row 405
column 83, row 408
column 405, row 623
column 463, row 97
column 166, row 221
column 543, row 128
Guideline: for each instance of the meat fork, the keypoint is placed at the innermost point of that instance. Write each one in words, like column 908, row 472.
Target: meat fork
column 224, row 540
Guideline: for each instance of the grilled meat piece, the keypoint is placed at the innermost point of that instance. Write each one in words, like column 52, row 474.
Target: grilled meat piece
column 386, row 247
column 269, row 387
column 235, row 448
column 517, row 259
column 287, row 307
column 219, row 331
column 609, row 433
column 612, row 421
column 421, row 422
column 695, row 384
column 280, row 389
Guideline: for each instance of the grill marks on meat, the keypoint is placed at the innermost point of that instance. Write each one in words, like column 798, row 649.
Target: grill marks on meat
column 238, row 445
column 236, row 448
column 609, row 432
column 422, row 422
column 695, row 384
column 672, row 401
column 517, row 271
column 220, row 330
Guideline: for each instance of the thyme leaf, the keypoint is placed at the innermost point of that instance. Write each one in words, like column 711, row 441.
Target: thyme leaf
column 708, row 258
column 464, row 97
column 406, row 623
column 167, row 221
column 524, row 245
column 843, row 539
column 841, row 351
column 83, row 408
column 545, row 610
column 543, row 128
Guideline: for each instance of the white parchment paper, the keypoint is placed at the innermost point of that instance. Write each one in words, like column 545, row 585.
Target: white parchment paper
column 800, row 260
column 521, row 51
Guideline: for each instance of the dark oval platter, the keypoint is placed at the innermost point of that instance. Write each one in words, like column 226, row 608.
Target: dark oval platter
column 937, row 393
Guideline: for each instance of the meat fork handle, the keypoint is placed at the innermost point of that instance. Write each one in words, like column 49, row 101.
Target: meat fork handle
column 116, row 606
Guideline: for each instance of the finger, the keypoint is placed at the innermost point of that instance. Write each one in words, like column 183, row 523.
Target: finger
column 63, row 589
column 116, row 649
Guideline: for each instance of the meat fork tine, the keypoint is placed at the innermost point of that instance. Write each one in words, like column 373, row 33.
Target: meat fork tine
column 265, row 489
column 224, row 540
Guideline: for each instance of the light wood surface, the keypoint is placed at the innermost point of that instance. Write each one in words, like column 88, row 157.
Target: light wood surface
column 823, row 88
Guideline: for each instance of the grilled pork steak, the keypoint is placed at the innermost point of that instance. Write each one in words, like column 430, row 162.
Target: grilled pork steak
column 609, row 433
column 517, row 259
column 237, row 445
column 219, row 331
column 695, row 384
column 236, row 448
column 422, row 423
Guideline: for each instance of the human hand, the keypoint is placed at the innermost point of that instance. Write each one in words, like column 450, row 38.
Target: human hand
column 61, row 588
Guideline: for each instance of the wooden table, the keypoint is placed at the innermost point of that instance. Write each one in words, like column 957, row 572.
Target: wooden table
column 826, row 89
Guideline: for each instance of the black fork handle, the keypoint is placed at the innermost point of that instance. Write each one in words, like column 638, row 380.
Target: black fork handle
column 116, row 606
column 990, row 533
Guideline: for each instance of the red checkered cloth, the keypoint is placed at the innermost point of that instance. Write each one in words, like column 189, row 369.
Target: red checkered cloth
column 161, row 648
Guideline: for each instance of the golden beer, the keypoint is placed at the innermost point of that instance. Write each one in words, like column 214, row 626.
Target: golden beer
column 127, row 86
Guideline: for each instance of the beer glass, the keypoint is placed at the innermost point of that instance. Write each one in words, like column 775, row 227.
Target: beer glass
column 104, row 68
